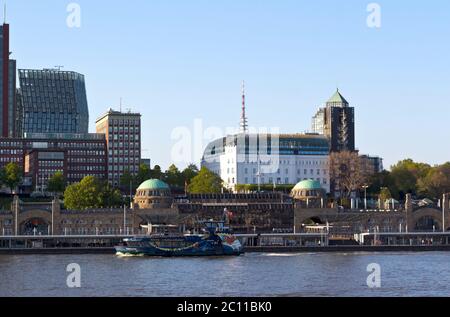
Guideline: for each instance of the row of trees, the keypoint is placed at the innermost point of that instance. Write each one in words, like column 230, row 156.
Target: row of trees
column 419, row 179
column 92, row 193
column 11, row 176
column 191, row 179
column 350, row 173
column 176, row 179
column 347, row 170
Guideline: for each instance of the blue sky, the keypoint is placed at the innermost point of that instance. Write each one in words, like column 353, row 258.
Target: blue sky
column 177, row 61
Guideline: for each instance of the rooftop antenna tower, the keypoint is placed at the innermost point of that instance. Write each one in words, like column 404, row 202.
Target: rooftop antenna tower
column 4, row 14
column 244, row 121
column 120, row 105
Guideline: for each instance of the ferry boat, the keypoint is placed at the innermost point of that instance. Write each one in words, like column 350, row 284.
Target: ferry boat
column 217, row 240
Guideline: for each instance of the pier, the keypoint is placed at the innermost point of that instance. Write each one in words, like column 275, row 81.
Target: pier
column 273, row 243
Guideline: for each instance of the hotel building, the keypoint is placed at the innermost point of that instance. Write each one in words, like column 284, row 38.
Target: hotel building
column 264, row 159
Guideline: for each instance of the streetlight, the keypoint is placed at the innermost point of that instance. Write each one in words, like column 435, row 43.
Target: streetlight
column 380, row 200
column 125, row 219
column 365, row 196
column 444, row 202
column 131, row 193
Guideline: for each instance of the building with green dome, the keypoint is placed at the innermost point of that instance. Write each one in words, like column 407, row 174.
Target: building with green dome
column 153, row 193
column 308, row 190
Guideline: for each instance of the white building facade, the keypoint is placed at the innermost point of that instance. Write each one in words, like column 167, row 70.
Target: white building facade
column 263, row 159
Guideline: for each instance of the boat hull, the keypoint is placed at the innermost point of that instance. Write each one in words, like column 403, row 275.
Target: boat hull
column 221, row 245
column 151, row 251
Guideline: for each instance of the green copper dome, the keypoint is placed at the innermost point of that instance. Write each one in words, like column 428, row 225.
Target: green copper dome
column 153, row 184
column 337, row 98
column 308, row 184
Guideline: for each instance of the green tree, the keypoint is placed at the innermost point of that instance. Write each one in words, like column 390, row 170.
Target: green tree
column 109, row 196
column 282, row 188
column 91, row 193
column 379, row 180
column 406, row 174
column 72, row 197
column 11, row 175
column 56, row 183
column 189, row 173
column 173, row 177
column 143, row 174
column 385, row 194
column 156, row 172
column 206, row 182
column 126, row 180
column 436, row 182
column 83, row 195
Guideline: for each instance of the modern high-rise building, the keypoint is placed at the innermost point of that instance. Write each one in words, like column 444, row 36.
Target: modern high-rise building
column 318, row 122
column 7, row 85
column 337, row 122
column 53, row 101
column 123, row 137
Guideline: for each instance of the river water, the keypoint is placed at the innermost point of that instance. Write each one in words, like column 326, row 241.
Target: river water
column 320, row 274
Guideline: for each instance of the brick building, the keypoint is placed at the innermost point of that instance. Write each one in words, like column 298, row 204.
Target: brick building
column 123, row 137
column 42, row 155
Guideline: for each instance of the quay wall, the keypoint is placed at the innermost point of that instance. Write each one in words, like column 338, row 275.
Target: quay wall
column 262, row 249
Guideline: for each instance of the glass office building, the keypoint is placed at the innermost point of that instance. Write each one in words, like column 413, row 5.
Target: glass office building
column 53, row 101
column 318, row 122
